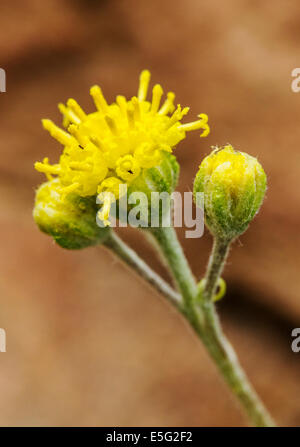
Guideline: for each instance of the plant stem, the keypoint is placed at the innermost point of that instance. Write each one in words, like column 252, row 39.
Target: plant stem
column 203, row 318
column 215, row 267
column 225, row 358
column 183, row 277
column 176, row 260
column 129, row 256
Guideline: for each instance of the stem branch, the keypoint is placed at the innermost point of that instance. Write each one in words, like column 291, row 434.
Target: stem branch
column 215, row 267
column 129, row 256
column 200, row 311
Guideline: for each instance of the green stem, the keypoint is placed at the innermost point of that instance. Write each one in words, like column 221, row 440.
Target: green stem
column 215, row 267
column 225, row 358
column 129, row 256
column 179, row 266
column 203, row 318
column 172, row 252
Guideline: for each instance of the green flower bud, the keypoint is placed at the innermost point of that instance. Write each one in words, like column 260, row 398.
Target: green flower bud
column 234, row 185
column 152, row 183
column 70, row 220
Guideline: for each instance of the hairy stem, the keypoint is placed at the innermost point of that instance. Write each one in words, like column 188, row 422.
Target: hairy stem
column 225, row 358
column 172, row 252
column 215, row 267
column 129, row 256
column 200, row 311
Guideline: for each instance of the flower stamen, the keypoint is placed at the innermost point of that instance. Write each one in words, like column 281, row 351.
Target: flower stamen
column 80, row 166
column 122, row 103
column 75, row 107
column 46, row 168
column 144, row 84
column 111, row 124
column 95, row 141
column 136, row 106
column 99, row 100
column 157, row 93
column 177, row 115
column 168, row 105
column 68, row 189
column 73, row 130
column 130, row 115
column 68, row 114
column 199, row 124
column 56, row 132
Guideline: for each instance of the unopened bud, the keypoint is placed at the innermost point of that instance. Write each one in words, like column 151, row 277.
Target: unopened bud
column 234, row 185
column 70, row 220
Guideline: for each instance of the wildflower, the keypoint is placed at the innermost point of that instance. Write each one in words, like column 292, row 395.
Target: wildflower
column 234, row 185
column 116, row 144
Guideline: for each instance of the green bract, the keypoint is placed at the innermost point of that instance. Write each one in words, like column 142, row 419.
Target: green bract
column 152, row 183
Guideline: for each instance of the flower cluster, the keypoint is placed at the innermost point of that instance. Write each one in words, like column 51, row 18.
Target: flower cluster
column 115, row 144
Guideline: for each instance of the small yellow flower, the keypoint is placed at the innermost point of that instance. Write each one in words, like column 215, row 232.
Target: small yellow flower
column 114, row 144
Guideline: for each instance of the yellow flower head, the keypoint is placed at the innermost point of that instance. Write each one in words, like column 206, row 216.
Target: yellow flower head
column 113, row 145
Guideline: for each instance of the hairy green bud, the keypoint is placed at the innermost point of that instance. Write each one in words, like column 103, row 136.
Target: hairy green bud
column 234, row 185
column 70, row 220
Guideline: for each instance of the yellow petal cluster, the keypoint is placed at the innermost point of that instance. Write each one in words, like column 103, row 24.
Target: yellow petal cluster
column 232, row 166
column 115, row 143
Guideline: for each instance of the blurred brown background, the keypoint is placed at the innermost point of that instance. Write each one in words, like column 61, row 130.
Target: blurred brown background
column 87, row 342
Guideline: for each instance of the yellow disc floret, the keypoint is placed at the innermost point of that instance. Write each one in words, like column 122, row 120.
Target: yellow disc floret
column 114, row 144
column 231, row 165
